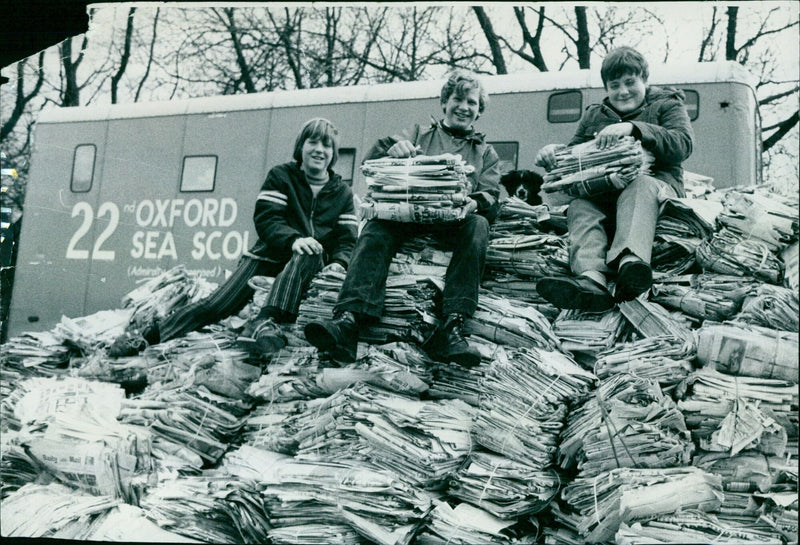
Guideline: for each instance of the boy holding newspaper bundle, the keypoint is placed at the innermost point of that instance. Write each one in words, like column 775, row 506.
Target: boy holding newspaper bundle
column 628, row 210
column 463, row 99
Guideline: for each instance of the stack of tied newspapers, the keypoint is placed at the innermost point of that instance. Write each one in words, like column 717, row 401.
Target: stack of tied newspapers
column 584, row 169
column 421, row 189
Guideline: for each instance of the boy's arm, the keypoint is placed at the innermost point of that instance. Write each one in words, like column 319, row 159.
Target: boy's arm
column 381, row 147
column 671, row 140
column 583, row 133
column 345, row 233
column 487, row 187
column 270, row 214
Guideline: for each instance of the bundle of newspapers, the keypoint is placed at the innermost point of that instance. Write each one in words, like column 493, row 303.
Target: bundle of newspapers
column 421, row 189
column 156, row 297
column 584, row 169
column 682, row 225
column 534, row 255
column 408, row 313
column 628, row 422
column 597, row 506
column 665, row 359
column 710, row 296
column 212, row 507
column 731, row 252
column 523, row 406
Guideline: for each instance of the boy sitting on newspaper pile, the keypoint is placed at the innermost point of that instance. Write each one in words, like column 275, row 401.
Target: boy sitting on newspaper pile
column 463, row 99
column 658, row 119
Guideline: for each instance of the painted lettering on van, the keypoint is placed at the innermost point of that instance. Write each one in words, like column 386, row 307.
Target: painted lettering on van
column 208, row 212
column 156, row 241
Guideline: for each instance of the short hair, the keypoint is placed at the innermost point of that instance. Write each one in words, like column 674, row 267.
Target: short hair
column 459, row 83
column 621, row 62
column 320, row 129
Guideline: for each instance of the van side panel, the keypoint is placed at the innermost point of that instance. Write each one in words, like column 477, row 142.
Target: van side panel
column 56, row 238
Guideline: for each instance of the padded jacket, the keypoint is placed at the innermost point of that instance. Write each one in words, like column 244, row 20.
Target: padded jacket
column 286, row 210
column 662, row 125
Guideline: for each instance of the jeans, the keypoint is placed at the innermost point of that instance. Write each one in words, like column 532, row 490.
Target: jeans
column 364, row 288
column 628, row 217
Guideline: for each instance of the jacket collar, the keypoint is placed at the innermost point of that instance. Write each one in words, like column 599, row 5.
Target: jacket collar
column 471, row 134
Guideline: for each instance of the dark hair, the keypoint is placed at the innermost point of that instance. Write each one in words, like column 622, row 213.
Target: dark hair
column 621, row 62
column 459, row 83
column 319, row 129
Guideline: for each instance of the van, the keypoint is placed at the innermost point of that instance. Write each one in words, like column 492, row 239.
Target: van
column 120, row 193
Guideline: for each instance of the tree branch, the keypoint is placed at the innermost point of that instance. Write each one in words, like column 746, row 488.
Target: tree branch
column 123, row 60
column 778, row 96
column 783, row 127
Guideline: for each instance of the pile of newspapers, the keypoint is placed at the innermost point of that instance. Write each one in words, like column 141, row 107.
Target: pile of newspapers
column 421, row 189
column 672, row 418
column 584, row 169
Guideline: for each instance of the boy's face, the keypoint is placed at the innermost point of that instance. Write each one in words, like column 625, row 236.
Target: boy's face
column 460, row 112
column 626, row 93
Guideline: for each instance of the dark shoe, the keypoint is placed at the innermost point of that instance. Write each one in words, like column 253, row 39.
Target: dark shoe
column 633, row 279
column 575, row 292
column 128, row 344
column 338, row 337
column 448, row 344
column 264, row 336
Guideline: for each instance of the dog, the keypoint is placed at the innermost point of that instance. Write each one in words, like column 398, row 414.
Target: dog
column 523, row 184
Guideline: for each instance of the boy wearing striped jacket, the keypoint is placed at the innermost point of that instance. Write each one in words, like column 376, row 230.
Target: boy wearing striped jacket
column 306, row 222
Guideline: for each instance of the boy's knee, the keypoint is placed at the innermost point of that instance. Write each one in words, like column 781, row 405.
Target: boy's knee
column 477, row 226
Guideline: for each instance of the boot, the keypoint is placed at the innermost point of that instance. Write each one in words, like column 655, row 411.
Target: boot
column 449, row 345
column 338, row 337
column 131, row 342
column 262, row 336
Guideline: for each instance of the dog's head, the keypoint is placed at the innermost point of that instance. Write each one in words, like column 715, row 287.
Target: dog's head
column 523, row 184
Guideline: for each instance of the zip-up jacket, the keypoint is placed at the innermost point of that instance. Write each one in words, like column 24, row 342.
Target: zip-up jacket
column 473, row 148
column 286, row 210
column 662, row 125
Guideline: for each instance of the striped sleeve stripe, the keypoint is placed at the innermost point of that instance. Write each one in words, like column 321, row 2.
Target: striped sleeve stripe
column 273, row 196
column 348, row 219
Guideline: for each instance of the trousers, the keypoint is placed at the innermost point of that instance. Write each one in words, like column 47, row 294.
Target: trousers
column 364, row 288
column 627, row 217
column 291, row 283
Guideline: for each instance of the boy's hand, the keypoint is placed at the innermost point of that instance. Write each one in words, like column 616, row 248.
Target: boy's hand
column 546, row 157
column 471, row 206
column 306, row 245
column 610, row 135
column 404, row 148
column 333, row 267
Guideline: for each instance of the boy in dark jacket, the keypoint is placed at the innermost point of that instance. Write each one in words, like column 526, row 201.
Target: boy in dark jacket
column 305, row 220
column 657, row 118
column 463, row 99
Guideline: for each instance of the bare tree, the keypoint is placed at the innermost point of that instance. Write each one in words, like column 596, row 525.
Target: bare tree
column 124, row 57
column 492, row 38
column 22, row 99
column 149, row 57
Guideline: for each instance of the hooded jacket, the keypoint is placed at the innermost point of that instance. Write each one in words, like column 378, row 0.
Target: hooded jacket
column 473, row 148
column 661, row 123
column 286, row 209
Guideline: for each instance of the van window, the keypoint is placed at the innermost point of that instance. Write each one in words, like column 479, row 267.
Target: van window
column 692, row 103
column 345, row 164
column 564, row 107
column 83, row 168
column 199, row 173
column 509, row 153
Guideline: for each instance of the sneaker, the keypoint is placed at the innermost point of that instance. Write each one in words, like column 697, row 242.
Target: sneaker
column 128, row 344
column 263, row 336
column 575, row 292
column 338, row 337
column 633, row 279
column 448, row 344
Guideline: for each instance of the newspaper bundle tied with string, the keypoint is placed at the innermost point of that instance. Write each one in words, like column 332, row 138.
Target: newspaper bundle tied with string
column 584, row 170
column 421, row 189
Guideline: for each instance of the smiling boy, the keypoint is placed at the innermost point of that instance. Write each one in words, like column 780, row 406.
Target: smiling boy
column 658, row 119
column 361, row 299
